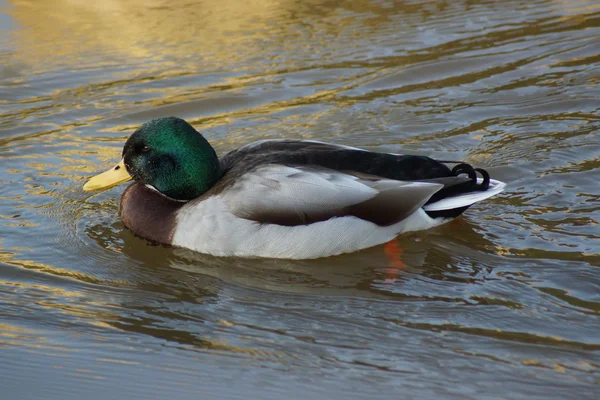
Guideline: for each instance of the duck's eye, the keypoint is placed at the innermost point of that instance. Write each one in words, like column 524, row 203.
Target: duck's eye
column 145, row 149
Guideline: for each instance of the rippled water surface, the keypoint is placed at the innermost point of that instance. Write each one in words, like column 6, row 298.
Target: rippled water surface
column 503, row 303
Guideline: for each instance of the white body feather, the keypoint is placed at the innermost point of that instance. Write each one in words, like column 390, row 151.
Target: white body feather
column 214, row 226
column 210, row 227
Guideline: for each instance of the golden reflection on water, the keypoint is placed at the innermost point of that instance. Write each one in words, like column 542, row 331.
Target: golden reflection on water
column 11, row 258
column 136, row 28
column 12, row 335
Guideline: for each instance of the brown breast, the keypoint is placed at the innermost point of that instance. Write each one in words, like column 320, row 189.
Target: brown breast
column 149, row 214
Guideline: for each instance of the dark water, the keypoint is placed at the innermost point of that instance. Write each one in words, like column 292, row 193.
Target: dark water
column 501, row 304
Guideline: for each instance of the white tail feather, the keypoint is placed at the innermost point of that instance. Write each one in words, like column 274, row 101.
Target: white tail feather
column 467, row 199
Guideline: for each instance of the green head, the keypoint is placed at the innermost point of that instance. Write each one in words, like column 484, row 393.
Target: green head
column 171, row 156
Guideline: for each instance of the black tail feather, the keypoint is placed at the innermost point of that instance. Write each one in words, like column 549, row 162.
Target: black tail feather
column 466, row 186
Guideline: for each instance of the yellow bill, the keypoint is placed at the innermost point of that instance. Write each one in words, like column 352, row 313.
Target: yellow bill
column 113, row 177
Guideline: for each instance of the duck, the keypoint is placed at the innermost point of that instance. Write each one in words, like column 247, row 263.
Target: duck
column 281, row 198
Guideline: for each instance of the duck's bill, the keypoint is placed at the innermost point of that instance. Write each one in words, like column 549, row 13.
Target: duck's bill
column 113, row 177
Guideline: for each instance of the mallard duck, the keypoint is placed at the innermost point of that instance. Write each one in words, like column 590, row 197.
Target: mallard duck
column 295, row 199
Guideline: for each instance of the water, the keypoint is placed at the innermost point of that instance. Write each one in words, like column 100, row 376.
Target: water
column 502, row 303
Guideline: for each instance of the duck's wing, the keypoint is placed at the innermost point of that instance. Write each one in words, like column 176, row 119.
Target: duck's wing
column 301, row 195
column 456, row 189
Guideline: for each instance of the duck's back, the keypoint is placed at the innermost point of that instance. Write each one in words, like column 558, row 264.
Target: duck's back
column 334, row 157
